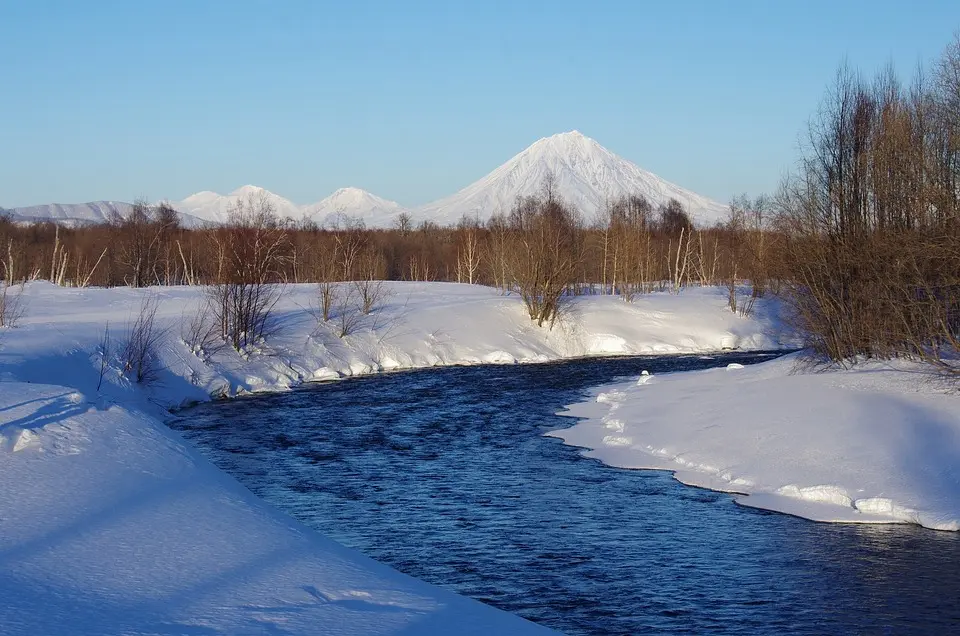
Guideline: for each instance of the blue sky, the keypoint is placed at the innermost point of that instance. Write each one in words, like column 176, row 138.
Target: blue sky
column 413, row 100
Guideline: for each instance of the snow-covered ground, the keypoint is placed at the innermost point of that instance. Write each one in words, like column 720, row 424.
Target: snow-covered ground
column 874, row 444
column 419, row 325
column 110, row 523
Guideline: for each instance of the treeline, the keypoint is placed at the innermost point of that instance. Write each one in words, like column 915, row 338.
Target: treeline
column 542, row 245
column 871, row 219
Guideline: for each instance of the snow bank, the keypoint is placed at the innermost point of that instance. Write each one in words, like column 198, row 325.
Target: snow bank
column 420, row 325
column 876, row 444
column 109, row 523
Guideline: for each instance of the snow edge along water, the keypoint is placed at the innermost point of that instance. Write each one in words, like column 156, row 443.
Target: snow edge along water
column 872, row 444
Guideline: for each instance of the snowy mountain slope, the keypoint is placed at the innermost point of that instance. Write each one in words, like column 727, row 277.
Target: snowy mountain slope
column 355, row 203
column 79, row 214
column 214, row 208
column 93, row 212
column 586, row 174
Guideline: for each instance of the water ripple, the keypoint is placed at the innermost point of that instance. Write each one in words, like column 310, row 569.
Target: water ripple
column 445, row 475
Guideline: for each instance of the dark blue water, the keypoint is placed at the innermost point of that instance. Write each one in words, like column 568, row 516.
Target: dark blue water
column 445, row 474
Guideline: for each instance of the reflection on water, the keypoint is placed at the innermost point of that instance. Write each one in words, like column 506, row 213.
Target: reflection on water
column 445, row 475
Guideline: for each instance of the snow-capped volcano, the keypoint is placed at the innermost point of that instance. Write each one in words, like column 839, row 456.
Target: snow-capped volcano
column 585, row 174
column 214, row 208
column 351, row 202
column 356, row 204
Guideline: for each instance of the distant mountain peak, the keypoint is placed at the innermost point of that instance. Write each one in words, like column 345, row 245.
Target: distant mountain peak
column 213, row 207
column 247, row 190
column 569, row 135
column 357, row 203
column 585, row 174
column 351, row 193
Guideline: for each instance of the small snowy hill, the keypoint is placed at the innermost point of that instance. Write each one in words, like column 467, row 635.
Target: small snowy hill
column 357, row 204
column 586, row 175
column 77, row 213
column 212, row 207
column 80, row 214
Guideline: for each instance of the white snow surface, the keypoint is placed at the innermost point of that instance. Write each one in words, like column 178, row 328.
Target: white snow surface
column 586, row 175
column 878, row 443
column 418, row 325
column 110, row 523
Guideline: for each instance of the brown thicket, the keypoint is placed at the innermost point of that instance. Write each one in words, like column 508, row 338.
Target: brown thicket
column 139, row 352
column 872, row 250
column 631, row 249
column 252, row 253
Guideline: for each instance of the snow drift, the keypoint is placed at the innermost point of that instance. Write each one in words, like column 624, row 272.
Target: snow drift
column 876, row 444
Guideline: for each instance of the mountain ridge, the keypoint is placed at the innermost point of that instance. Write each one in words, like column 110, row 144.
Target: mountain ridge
column 584, row 173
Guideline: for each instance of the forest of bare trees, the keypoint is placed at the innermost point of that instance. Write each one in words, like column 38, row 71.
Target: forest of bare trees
column 542, row 243
column 871, row 220
column 862, row 240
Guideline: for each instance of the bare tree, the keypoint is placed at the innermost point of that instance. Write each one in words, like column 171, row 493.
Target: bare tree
column 403, row 223
column 468, row 250
column 348, row 317
column 871, row 245
column 545, row 253
column 251, row 250
column 12, row 306
column 139, row 353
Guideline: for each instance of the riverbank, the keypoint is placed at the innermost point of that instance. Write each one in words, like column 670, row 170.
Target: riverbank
column 878, row 443
column 415, row 325
column 110, row 523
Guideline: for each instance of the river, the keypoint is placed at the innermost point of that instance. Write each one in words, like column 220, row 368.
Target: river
column 445, row 474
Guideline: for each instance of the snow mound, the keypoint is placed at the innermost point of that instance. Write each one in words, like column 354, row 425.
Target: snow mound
column 140, row 534
column 876, row 444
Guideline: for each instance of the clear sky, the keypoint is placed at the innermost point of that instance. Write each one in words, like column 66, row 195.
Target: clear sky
column 414, row 99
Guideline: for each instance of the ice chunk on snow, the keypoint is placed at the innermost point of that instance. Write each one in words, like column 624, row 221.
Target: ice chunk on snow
column 610, row 397
column 734, row 366
column 617, row 440
column 26, row 439
column 607, row 343
column 823, row 494
column 324, row 373
column 644, row 378
column 615, row 425
column 499, row 357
